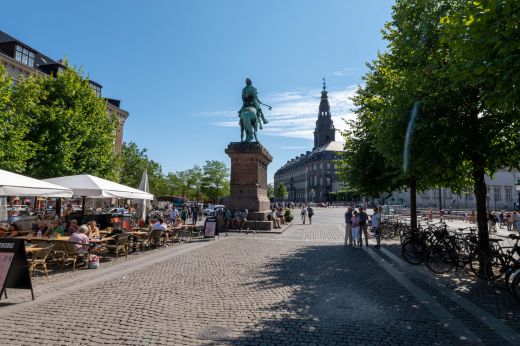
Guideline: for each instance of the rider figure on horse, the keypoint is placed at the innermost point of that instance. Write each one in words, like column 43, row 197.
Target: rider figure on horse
column 250, row 99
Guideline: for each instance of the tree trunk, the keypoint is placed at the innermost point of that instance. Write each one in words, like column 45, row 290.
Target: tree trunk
column 413, row 204
column 480, row 195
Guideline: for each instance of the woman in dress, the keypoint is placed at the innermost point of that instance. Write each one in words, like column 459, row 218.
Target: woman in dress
column 356, row 229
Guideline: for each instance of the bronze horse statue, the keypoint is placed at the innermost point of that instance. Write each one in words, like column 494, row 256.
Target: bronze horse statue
column 248, row 124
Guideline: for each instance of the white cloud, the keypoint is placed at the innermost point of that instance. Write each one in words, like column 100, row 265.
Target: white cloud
column 345, row 71
column 295, row 112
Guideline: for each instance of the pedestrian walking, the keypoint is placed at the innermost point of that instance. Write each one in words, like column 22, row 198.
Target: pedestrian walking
column 375, row 223
column 174, row 214
column 348, row 227
column 363, row 224
column 194, row 214
column 356, row 230
column 303, row 214
column 516, row 221
column 310, row 214
column 184, row 214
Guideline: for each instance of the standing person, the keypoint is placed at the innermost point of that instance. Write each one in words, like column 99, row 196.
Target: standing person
column 375, row 223
column 174, row 213
column 466, row 215
column 363, row 224
column 310, row 213
column 194, row 213
column 516, row 221
column 303, row 213
column 348, row 227
column 356, row 230
column 184, row 214
column 430, row 214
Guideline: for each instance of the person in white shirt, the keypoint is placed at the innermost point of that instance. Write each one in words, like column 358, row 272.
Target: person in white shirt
column 303, row 214
column 174, row 214
column 376, row 223
column 159, row 226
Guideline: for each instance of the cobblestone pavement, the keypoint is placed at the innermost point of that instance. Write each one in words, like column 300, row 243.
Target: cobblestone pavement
column 302, row 287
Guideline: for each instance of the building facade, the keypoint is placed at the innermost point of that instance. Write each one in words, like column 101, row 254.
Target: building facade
column 502, row 194
column 20, row 60
column 310, row 177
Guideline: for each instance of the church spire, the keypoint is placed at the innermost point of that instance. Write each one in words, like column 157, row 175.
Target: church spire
column 325, row 131
column 324, row 102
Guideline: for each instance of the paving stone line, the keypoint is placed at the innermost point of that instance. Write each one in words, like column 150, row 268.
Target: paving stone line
column 455, row 326
column 482, row 315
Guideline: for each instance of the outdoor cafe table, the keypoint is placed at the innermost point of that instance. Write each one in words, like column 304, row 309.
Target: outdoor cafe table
column 30, row 238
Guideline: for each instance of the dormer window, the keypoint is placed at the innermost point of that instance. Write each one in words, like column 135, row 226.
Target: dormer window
column 24, row 55
column 96, row 87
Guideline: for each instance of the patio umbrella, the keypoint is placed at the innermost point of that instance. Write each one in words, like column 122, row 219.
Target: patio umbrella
column 144, row 205
column 85, row 185
column 12, row 184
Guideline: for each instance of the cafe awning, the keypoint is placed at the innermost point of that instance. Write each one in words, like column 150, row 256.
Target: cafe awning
column 85, row 185
column 12, row 184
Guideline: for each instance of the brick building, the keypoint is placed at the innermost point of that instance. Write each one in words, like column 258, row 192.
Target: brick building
column 22, row 60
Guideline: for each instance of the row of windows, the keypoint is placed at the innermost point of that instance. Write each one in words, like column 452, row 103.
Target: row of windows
column 24, row 55
column 494, row 193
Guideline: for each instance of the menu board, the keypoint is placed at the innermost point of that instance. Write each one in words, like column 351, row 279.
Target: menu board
column 5, row 264
column 14, row 271
column 210, row 227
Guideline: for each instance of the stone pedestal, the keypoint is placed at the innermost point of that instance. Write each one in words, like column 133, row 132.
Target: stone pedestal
column 248, row 184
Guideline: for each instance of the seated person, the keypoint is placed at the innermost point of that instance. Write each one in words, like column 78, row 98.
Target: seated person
column 159, row 226
column 72, row 227
column 243, row 218
column 55, row 229
column 280, row 216
column 41, row 227
column 81, row 238
column 13, row 231
column 158, row 230
column 93, row 230
column 235, row 222
column 4, row 231
column 276, row 220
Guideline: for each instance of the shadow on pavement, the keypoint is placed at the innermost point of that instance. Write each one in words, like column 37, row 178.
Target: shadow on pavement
column 330, row 294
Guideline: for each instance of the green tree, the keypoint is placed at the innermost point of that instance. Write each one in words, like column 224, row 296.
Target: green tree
column 134, row 162
column 270, row 191
column 483, row 37
column 70, row 132
column 281, row 191
column 14, row 127
column 215, row 179
column 195, row 181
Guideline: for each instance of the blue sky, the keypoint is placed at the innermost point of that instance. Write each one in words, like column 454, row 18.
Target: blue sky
column 179, row 66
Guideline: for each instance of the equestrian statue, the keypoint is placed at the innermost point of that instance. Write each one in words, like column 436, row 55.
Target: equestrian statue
column 251, row 115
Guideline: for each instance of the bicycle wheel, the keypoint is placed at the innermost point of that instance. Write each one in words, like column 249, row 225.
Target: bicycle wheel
column 413, row 251
column 496, row 267
column 475, row 267
column 439, row 259
column 515, row 287
column 510, row 278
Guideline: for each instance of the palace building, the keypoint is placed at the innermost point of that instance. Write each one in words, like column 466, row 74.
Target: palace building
column 310, row 177
column 22, row 60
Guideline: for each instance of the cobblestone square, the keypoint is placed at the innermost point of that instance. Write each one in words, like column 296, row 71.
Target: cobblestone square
column 302, row 287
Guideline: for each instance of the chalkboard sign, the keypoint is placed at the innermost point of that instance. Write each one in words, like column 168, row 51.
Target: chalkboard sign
column 210, row 227
column 14, row 271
